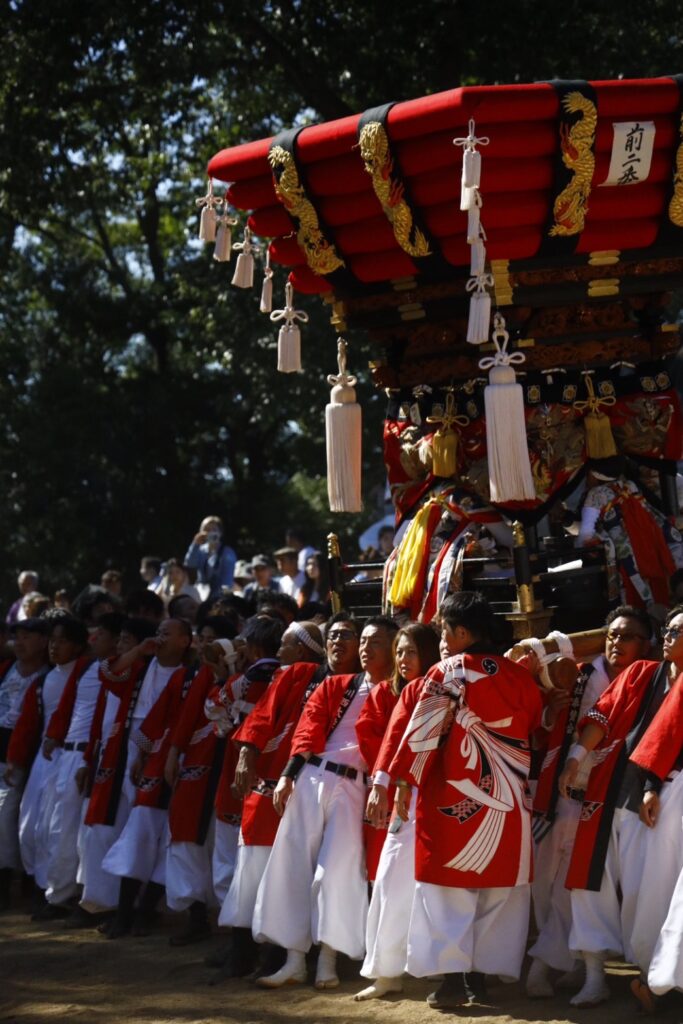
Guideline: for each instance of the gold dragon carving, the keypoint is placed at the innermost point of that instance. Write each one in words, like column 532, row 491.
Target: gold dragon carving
column 321, row 255
column 374, row 148
column 571, row 206
column 676, row 203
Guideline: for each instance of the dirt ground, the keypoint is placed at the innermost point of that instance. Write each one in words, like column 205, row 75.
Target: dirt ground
column 48, row 973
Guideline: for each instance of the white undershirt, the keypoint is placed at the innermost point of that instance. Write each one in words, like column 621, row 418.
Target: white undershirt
column 342, row 745
column 109, row 717
column 154, row 682
column 12, row 692
column 53, row 688
column 87, row 691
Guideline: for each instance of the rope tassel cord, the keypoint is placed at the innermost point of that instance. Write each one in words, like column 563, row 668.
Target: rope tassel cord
column 267, row 286
column 343, row 431
column 208, row 217
column 600, row 442
column 289, row 338
column 445, row 440
column 510, row 476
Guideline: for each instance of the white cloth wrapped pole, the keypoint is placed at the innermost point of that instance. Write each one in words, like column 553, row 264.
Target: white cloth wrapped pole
column 471, row 168
column 479, row 321
column 343, row 431
column 510, row 476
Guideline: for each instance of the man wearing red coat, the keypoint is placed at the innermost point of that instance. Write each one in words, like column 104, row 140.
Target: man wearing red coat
column 314, row 888
column 264, row 742
column 466, row 749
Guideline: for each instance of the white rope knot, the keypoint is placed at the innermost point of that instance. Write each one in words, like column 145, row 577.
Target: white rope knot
column 500, row 340
column 289, row 313
column 247, row 247
column 471, row 141
column 210, row 200
column 480, row 283
column 343, row 378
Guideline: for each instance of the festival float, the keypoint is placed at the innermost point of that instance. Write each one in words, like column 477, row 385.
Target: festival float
column 511, row 252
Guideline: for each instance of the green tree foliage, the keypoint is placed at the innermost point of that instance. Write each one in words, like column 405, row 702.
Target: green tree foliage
column 137, row 387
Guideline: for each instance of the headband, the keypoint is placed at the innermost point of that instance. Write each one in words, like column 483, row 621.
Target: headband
column 304, row 637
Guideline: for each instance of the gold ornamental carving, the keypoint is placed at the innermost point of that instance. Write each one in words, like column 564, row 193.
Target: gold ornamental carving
column 571, row 206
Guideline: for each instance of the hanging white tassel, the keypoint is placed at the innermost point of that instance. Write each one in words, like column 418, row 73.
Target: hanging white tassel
column 289, row 338
column 244, row 268
column 208, row 217
column 471, row 166
column 343, row 430
column 267, row 286
column 479, row 320
column 510, row 476
column 477, row 257
column 223, row 247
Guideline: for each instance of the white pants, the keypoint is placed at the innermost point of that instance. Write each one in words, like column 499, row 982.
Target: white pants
column 453, row 930
column 666, row 966
column 391, row 903
column 10, row 799
column 188, row 874
column 34, row 816
column 662, row 865
column 314, row 888
column 551, row 900
column 65, row 820
column 224, row 857
column 602, row 922
column 100, row 887
column 238, row 906
column 140, row 850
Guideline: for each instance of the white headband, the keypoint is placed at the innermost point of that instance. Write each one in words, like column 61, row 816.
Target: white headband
column 306, row 639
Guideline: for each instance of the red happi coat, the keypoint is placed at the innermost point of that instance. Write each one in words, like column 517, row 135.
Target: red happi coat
column 154, row 739
column 110, row 773
column 243, row 691
column 370, row 728
column 269, row 728
column 27, row 734
column 466, row 748
column 318, row 717
column 617, row 710
column 191, row 808
column 660, row 747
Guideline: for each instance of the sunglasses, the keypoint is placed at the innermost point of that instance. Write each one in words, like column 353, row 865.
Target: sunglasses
column 673, row 631
column 342, row 634
column 626, row 636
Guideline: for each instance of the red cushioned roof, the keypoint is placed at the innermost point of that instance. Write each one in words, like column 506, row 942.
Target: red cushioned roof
column 517, row 184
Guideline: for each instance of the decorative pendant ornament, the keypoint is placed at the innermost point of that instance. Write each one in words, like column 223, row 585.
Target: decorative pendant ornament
column 479, row 318
column 343, row 429
column 244, row 268
column 267, row 286
column 208, row 217
column 223, row 248
column 445, row 439
column 600, row 442
column 289, row 338
column 510, row 476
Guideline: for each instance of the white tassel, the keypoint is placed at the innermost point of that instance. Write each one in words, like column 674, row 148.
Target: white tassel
column 510, row 476
column 343, row 430
column 477, row 257
column 471, row 168
column 207, row 224
column 474, row 220
column 267, row 286
column 289, row 338
column 223, row 249
column 479, row 321
column 244, row 268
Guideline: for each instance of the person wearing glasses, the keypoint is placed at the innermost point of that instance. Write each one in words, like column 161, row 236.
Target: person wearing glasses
column 556, row 817
column 606, row 869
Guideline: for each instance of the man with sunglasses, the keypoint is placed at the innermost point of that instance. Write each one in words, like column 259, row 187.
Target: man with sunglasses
column 556, row 817
column 605, row 872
